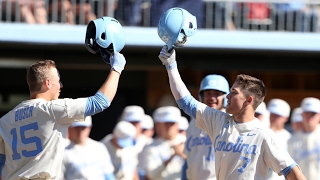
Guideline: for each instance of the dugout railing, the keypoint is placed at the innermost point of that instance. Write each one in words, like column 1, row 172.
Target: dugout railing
column 256, row 15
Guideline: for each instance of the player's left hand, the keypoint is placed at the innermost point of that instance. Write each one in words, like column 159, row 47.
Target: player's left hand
column 168, row 58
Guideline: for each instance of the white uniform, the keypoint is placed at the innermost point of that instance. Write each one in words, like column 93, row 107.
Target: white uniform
column 159, row 151
column 305, row 150
column 125, row 160
column 146, row 141
column 90, row 162
column 32, row 136
column 242, row 151
column 200, row 154
column 141, row 142
column 282, row 138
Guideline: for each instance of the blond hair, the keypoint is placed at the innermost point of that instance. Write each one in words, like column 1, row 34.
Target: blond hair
column 38, row 73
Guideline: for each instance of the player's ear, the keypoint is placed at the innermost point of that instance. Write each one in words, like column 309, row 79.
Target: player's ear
column 249, row 100
column 47, row 83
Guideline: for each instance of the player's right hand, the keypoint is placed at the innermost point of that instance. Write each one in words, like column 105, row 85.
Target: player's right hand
column 117, row 62
column 168, row 58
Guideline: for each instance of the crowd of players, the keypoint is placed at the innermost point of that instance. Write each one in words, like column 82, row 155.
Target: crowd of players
column 165, row 146
column 232, row 133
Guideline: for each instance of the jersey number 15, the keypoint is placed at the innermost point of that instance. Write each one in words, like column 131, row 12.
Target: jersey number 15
column 25, row 140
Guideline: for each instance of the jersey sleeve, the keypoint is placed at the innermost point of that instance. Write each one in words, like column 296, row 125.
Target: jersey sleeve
column 68, row 110
column 276, row 157
column 210, row 119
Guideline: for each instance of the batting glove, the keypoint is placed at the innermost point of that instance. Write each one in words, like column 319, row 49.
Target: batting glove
column 117, row 62
column 168, row 58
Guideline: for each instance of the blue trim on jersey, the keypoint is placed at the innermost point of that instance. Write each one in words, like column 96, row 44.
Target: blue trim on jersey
column 184, row 170
column 96, row 104
column 189, row 105
column 286, row 171
column 2, row 161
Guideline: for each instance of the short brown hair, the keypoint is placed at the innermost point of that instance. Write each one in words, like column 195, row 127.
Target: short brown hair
column 38, row 73
column 251, row 86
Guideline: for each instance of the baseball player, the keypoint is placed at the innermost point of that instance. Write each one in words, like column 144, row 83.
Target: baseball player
column 279, row 115
column 263, row 114
column 164, row 157
column 32, row 135
column 243, row 147
column 296, row 119
column 304, row 146
column 147, row 126
column 200, row 163
column 124, row 156
column 183, row 125
column 85, row 158
column 135, row 114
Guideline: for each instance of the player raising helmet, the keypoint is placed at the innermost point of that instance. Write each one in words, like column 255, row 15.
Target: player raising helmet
column 105, row 34
column 175, row 25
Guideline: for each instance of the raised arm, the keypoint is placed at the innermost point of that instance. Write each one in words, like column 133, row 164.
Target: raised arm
column 179, row 90
column 110, row 86
column 102, row 99
column 177, row 86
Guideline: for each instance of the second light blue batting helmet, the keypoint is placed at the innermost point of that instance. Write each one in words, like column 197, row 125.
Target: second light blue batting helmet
column 175, row 25
column 215, row 82
column 104, row 34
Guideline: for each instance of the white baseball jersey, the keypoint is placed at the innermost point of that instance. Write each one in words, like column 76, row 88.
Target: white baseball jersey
column 242, row 150
column 32, row 136
column 305, row 150
column 156, row 153
column 200, row 154
column 282, row 138
column 141, row 142
column 125, row 160
column 90, row 162
column 141, row 155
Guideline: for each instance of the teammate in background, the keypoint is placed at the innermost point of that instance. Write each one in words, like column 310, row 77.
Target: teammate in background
column 164, row 157
column 135, row 114
column 200, row 163
column 243, row 146
column 120, row 145
column 147, row 126
column 279, row 115
column 183, row 125
column 296, row 119
column 263, row 114
column 85, row 158
column 304, row 145
column 32, row 135
column 158, row 124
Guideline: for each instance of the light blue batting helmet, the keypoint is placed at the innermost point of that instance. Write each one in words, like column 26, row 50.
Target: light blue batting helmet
column 104, row 34
column 175, row 25
column 215, row 82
